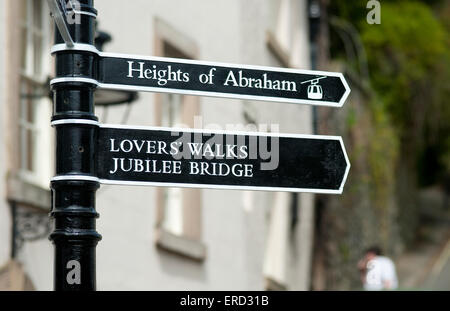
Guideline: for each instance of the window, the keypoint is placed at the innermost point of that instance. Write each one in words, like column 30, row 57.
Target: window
column 28, row 129
column 275, row 268
column 172, row 200
column 289, row 237
column 279, row 32
column 34, row 106
column 179, row 209
column 287, row 34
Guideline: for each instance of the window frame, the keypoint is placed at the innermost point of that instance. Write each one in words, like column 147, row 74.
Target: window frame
column 187, row 240
column 34, row 68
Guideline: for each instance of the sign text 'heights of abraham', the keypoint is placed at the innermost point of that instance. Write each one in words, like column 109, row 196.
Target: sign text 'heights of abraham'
column 192, row 77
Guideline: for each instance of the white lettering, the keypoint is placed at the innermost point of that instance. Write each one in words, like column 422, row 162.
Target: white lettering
column 131, row 69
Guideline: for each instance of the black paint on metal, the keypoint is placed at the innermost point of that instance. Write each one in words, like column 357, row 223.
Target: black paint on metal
column 14, row 229
column 73, row 201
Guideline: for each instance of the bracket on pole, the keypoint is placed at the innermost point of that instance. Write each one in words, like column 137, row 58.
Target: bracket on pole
column 57, row 12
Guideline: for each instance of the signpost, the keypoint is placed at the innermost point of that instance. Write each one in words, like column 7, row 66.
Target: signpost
column 191, row 77
column 89, row 153
column 157, row 156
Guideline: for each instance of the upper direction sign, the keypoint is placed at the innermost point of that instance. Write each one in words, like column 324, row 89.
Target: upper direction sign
column 191, row 77
column 220, row 159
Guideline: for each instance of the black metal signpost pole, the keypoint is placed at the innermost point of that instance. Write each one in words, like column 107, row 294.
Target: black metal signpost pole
column 74, row 186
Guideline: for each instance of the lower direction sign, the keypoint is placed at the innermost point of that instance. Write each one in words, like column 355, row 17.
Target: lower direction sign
column 221, row 159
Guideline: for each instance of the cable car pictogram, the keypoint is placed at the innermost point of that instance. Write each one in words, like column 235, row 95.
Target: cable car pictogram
column 314, row 89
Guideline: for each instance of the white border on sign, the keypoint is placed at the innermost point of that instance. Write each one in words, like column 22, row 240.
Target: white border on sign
column 90, row 48
column 206, row 186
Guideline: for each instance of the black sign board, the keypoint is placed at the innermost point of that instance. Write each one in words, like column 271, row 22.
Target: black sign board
column 191, row 77
column 222, row 160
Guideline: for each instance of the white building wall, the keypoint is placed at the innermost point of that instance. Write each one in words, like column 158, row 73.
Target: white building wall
column 235, row 236
column 225, row 223
column 36, row 258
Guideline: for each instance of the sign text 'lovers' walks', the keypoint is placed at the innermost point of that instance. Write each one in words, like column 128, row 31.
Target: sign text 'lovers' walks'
column 222, row 160
column 185, row 76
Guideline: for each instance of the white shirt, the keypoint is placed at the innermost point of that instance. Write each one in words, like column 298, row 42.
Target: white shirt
column 380, row 270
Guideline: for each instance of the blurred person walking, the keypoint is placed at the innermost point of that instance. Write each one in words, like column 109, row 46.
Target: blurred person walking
column 377, row 271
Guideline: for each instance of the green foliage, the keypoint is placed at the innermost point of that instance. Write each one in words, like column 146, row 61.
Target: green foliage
column 398, row 130
column 409, row 63
column 383, row 153
column 404, row 52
